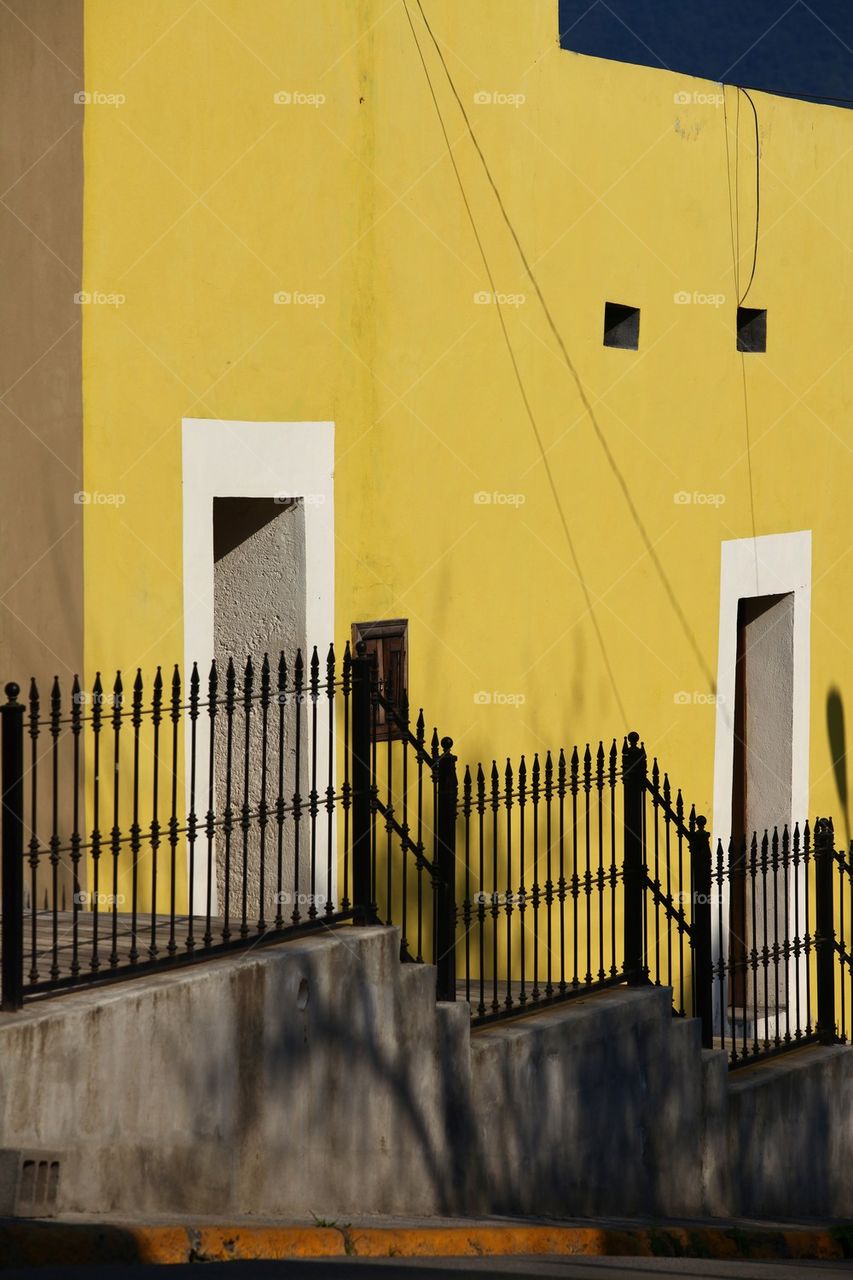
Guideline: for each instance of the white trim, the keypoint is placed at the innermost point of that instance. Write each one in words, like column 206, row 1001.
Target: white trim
column 773, row 565
column 254, row 460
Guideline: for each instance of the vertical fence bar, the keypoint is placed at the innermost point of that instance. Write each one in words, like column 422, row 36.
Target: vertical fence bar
column 753, row 953
column 33, row 842
column 765, row 950
column 679, row 839
column 346, row 789
column 633, row 871
column 245, row 809
column 374, row 788
column 808, row 936
column 76, row 841
column 97, row 705
column 535, row 993
column 796, row 950
column 703, row 970
column 280, row 804
column 263, row 807
column 210, row 817
column 575, row 889
column 156, row 717
column 175, row 716
column 786, row 950
column 313, row 793
column 420, row 729
column 841, row 936
column 495, row 805
column 55, row 718
column 522, row 889
column 136, row 722
column 587, row 877
column 614, row 873
column 744, row 928
column 561, row 882
column 721, row 969
column 362, row 666
column 775, row 950
column 848, row 946
column 508, row 793
column 192, row 819
column 329, row 905
column 656, row 880
column 12, row 847
column 824, row 929
column 600, row 877
column 481, row 895
column 389, row 813
column 228, row 812
column 466, row 901
column 404, row 828
column 667, row 856
column 549, row 882
column 299, row 671
column 445, row 882
column 115, row 832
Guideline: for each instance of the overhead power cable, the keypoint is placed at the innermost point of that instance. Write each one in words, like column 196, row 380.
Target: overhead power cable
column 635, row 515
column 742, row 299
column 516, row 370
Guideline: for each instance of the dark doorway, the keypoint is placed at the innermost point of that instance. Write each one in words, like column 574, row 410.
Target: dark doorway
column 259, row 606
column 762, row 763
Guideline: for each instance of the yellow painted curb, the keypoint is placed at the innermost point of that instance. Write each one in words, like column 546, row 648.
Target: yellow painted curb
column 69, row 1244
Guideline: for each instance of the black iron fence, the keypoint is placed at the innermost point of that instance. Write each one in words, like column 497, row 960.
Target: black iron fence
column 759, row 922
column 549, row 878
column 530, row 882
column 156, row 826
column 515, row 886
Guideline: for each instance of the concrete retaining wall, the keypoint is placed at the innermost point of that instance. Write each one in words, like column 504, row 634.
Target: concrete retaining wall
column 320, row 1076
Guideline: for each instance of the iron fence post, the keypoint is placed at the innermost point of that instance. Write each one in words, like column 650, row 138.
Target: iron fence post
column 12, row 849
column 824, row 842
column 361, row 748
column 634, row 868
column 445, row 874
column 703, row 970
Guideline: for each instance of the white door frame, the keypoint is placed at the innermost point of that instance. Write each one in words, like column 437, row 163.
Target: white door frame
column 776, row 564
column 233, row 459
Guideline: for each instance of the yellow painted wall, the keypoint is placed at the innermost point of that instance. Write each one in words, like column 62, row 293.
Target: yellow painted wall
column 204, row 197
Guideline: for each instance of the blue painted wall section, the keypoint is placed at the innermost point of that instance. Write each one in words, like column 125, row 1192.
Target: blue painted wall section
column 805, row 50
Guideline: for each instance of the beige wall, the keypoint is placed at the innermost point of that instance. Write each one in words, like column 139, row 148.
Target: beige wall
column 41, row 200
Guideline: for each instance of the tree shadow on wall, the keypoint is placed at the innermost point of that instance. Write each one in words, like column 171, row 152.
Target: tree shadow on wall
column 836, row 733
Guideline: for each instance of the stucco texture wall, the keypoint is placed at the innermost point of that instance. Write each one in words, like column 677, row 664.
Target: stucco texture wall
column 321, row 1077
column 592, row 593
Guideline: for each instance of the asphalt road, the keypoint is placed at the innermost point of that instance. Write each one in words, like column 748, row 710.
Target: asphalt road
column 447, row 1268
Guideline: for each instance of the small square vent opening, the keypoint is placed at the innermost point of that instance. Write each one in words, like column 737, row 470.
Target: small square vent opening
column 621, row 326
column 751, row 329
